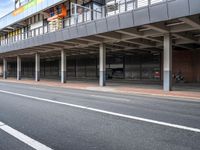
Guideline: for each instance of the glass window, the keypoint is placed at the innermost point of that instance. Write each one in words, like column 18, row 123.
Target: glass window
column 130, row 4
column 142, row 3
column 156, row 1
column 122, row 6
column 97, row 11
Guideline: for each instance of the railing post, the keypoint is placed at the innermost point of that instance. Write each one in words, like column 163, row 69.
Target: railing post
column 75, row 14
column 86, row 17
column 149, row 2
column 136, row 4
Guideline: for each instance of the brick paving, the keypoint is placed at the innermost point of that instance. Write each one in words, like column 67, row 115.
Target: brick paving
column 191, row 92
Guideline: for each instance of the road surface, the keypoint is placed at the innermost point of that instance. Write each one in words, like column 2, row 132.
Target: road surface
column 45, row 118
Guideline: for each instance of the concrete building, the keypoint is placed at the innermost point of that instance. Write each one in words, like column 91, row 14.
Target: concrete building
column 147, row 40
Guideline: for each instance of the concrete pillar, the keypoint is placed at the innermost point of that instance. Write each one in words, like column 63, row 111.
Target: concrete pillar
column 19, row 64
column 5, row 68
column 167, row 64
column 102, row 65
column 63, row 66
column 37, row 67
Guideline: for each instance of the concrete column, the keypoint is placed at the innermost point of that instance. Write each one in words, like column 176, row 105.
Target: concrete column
column 5, row 68
column 37, row 67
column 167, row 64
column 63, row 66
column 19, row 64
column 102, row 65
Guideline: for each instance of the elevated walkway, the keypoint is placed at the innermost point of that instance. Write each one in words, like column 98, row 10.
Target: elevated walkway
column 155, row 13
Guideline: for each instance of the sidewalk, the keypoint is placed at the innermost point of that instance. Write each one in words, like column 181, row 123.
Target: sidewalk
column 187, row 92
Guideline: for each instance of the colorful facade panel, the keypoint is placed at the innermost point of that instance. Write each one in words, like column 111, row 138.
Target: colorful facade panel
column 25, row 11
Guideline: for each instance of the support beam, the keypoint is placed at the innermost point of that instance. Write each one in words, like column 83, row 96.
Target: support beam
column 160, row 27
column 63, row 66
column 5, row 68
column 102, row 65
column 37, row 67
column 167, row 79
column 192, row 21
column 186, row 36
column 110, row 36
column 19, row 68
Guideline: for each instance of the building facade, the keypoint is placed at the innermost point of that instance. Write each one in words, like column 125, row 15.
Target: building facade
column 143, row 40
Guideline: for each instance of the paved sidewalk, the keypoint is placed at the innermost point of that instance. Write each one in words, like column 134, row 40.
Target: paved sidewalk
column 186, row 92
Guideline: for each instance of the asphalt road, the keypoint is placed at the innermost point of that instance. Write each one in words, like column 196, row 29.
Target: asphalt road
column 66, row 119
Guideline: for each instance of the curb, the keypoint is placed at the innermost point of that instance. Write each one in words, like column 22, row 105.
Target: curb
column 112, row 90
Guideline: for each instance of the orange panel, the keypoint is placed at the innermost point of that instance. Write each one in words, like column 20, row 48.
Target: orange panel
column 18, row 11
column 61, row 15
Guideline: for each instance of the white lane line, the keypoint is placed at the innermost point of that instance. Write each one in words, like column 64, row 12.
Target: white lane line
column 106, row 112
column 23, row 138
column 112, row 98
column 1, row 124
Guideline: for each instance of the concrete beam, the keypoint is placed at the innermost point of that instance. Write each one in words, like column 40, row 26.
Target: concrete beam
column 160, row 27
column 142, row 42
column 110, row 36
column 186, row 36
column 181, row 28
column 92, row 39
column 192, row 21
column 131, row 32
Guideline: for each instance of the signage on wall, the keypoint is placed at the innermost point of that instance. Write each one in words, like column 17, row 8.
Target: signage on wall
column 26, row 6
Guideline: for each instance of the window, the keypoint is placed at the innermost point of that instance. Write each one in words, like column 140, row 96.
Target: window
column 142, row 3
column 156, row 1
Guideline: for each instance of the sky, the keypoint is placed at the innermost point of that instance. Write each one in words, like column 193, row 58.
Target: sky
column 6, row 6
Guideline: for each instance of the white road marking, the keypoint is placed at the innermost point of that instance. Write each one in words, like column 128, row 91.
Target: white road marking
column 23, row 138
column 106, row 112
column 1, row 124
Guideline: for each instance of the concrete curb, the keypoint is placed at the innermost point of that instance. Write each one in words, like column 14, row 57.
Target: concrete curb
column 111, row 90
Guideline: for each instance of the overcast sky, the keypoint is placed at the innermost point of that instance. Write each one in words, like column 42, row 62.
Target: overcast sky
column 6, row 6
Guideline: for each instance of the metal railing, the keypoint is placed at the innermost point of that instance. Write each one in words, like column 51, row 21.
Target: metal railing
column 80, row 14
